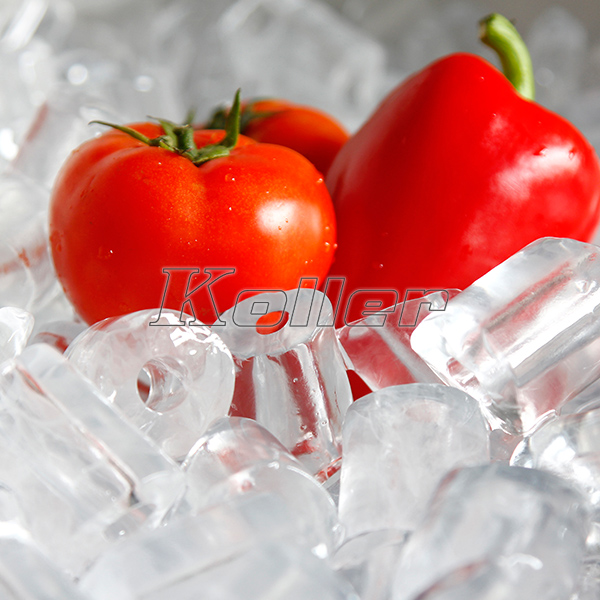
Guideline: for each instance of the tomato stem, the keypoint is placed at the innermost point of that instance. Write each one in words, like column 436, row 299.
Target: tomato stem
column 218, row 118
column 162, row 141
column 232, row 131
column 180, row 138
column 501, row 35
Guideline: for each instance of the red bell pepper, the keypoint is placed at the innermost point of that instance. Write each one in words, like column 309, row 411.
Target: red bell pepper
column 455, row 171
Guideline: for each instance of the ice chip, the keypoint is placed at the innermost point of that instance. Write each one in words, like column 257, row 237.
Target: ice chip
column 496, row 532
column 398, row 443
column 170, row 379
column 293, row 380
column 524, row 338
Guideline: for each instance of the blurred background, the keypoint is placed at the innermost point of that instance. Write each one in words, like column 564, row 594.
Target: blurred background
column 65, row 62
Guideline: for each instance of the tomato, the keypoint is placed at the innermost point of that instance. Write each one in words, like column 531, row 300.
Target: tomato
column 122, row 211
column 311, row 132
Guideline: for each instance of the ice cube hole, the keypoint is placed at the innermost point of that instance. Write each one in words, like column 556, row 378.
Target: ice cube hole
column 161, row 383
column 272, row 322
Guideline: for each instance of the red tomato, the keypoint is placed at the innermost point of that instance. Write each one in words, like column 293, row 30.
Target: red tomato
column 122, row 210
column 309, row 131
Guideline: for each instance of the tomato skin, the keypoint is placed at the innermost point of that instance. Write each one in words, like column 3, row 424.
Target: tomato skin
column 121, row 211
column 452, row 174
column 307, row 130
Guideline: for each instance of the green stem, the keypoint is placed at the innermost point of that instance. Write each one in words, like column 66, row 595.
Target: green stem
column 500, row 34
column 180, row 138
column 247, row 115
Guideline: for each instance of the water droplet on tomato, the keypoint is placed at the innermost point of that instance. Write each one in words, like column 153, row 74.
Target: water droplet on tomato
column 572, row 153
column 320, row 180
column 229, row 177
column 327, row 246
column 377, row 265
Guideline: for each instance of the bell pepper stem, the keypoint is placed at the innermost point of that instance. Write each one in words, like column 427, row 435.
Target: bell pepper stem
column 500, row 34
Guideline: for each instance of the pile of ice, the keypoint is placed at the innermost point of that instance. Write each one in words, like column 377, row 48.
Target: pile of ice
column 147, row 457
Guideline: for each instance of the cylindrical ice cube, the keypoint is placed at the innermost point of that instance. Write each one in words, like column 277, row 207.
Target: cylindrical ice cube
column 525, row 337
column 239, row 456
column 398, row 443
column 497, row 532
column 568, row 446
column 378, row 346
column 83, row 475
column 293, row 381
column 188, row 369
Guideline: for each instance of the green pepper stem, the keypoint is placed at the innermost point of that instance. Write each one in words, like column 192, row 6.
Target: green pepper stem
column 500, row 34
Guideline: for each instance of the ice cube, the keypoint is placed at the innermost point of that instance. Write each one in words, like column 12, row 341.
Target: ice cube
column 378, row 346
column 229, row 446
column 82, row 475
column 275, row 570
column 30, row 31
column 321, row 59
column 57, row 333
column 16, row 326
column 524, row 338
column 57, row 310
column 27, row 277
column 188, row 372
column 155, row 564
column 292, row 381
column 588, row 586
column 61, row 123
column 398, row 443
column 496, row 532
column 26, row 573
column 568, row 446
column 368, row 561
column 238, row 456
